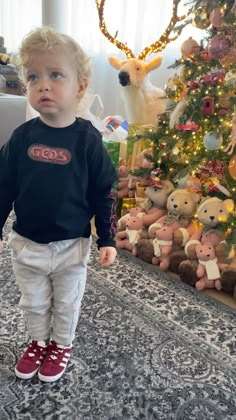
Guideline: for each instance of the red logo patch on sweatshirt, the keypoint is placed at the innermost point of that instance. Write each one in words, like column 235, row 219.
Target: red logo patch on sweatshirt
column 49, row 154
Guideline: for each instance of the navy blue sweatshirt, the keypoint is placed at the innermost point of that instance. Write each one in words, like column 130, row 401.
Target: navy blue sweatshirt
column 57, row 179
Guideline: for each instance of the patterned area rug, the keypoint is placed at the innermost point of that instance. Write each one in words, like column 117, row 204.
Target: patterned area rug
column 147, row 347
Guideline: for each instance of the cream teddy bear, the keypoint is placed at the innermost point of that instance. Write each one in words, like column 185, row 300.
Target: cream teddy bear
column 210, row 213
column 181, row 206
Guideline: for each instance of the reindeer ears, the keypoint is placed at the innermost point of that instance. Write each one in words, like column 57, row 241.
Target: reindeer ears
column 115, row 62
column 153, row 64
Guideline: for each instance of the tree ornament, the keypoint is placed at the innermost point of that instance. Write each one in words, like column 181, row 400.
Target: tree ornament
column 232, row 167
column 213, row 140
column 216, row 18
column 174, row 88
column 230, row 147
column 229, row 58
column 189, row 48
column 218, row 46
column 224, row 100
column 208, row 106
column 230, row 77
column 201, row 18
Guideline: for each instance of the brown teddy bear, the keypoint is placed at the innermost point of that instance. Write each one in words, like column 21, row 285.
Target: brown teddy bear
column 210, row 213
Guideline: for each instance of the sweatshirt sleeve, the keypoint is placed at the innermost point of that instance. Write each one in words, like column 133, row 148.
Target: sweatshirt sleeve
column 7, row 181
column 103, row 176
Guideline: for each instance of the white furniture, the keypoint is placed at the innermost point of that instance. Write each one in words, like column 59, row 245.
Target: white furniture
column 12, row 114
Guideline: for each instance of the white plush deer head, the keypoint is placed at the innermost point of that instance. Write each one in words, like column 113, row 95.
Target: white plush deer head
column 143, row 101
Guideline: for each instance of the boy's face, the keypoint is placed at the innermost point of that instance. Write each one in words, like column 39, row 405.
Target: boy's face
column 53, row 87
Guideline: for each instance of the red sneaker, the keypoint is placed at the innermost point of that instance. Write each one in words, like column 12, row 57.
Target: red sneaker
column 55, row 362
column 30, row 362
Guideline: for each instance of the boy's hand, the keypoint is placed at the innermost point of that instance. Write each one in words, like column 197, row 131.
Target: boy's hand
column 107, row 255
column 1, row 246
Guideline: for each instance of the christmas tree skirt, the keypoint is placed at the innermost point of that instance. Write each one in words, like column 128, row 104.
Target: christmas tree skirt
column 147, row 346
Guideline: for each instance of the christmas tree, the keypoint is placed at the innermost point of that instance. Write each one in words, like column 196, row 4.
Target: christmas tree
column 194, row 143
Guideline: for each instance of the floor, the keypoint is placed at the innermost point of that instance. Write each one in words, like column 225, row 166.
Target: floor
column 222, row 296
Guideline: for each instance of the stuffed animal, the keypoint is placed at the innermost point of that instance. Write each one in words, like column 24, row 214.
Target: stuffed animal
column 210, row 213
column 162, row 247
column 228, row 278
column 126, row 239
column 125, row 185
column 143, row 101
column 156, row 200
column 208, row 269
column 152, row 207
column 181, row 206
column 159, row 248
column 135, row 211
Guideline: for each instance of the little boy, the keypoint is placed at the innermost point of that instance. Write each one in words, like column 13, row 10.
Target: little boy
column 57, row 174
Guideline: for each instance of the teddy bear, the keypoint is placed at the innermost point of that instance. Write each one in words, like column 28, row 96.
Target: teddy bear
column 126, row 239
column 228, row 278
column 162, row 247
column 152, row 207
column 159, row 248
column 126, row 183
column 135, row 211
column 208, row 268
column 181, row 206
column 156, row 201
column 210, row 213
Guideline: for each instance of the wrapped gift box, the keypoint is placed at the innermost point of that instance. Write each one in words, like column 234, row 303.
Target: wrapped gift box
column 136, row 143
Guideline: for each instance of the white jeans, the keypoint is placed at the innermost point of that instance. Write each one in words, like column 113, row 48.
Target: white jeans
column 51, row 278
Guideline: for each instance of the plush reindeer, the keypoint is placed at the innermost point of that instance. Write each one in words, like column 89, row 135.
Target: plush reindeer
column 143, row 101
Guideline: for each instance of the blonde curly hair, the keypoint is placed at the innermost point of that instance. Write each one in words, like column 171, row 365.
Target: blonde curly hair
column 46, row 38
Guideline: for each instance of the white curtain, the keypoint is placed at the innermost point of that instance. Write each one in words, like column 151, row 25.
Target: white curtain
column 136, row 22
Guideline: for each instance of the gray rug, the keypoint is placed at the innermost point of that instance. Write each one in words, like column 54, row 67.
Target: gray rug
column 147, row 347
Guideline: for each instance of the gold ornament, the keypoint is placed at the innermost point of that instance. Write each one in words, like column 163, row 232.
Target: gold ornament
column 232, row 167
column 201, row 19
column 224, row 100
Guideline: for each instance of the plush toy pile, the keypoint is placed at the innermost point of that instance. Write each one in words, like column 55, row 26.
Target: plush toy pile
column 181, row 231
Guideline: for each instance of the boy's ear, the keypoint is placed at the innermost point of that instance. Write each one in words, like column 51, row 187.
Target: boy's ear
column 83, row 84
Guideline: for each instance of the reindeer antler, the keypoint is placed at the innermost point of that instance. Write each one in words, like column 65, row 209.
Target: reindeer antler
column 161, row 43
column 123, row 47
column 156, row 46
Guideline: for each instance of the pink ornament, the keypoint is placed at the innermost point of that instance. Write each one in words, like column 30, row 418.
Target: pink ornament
column 229, row 58
column 216, row 18
column 218, row 46
column 189, row 47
